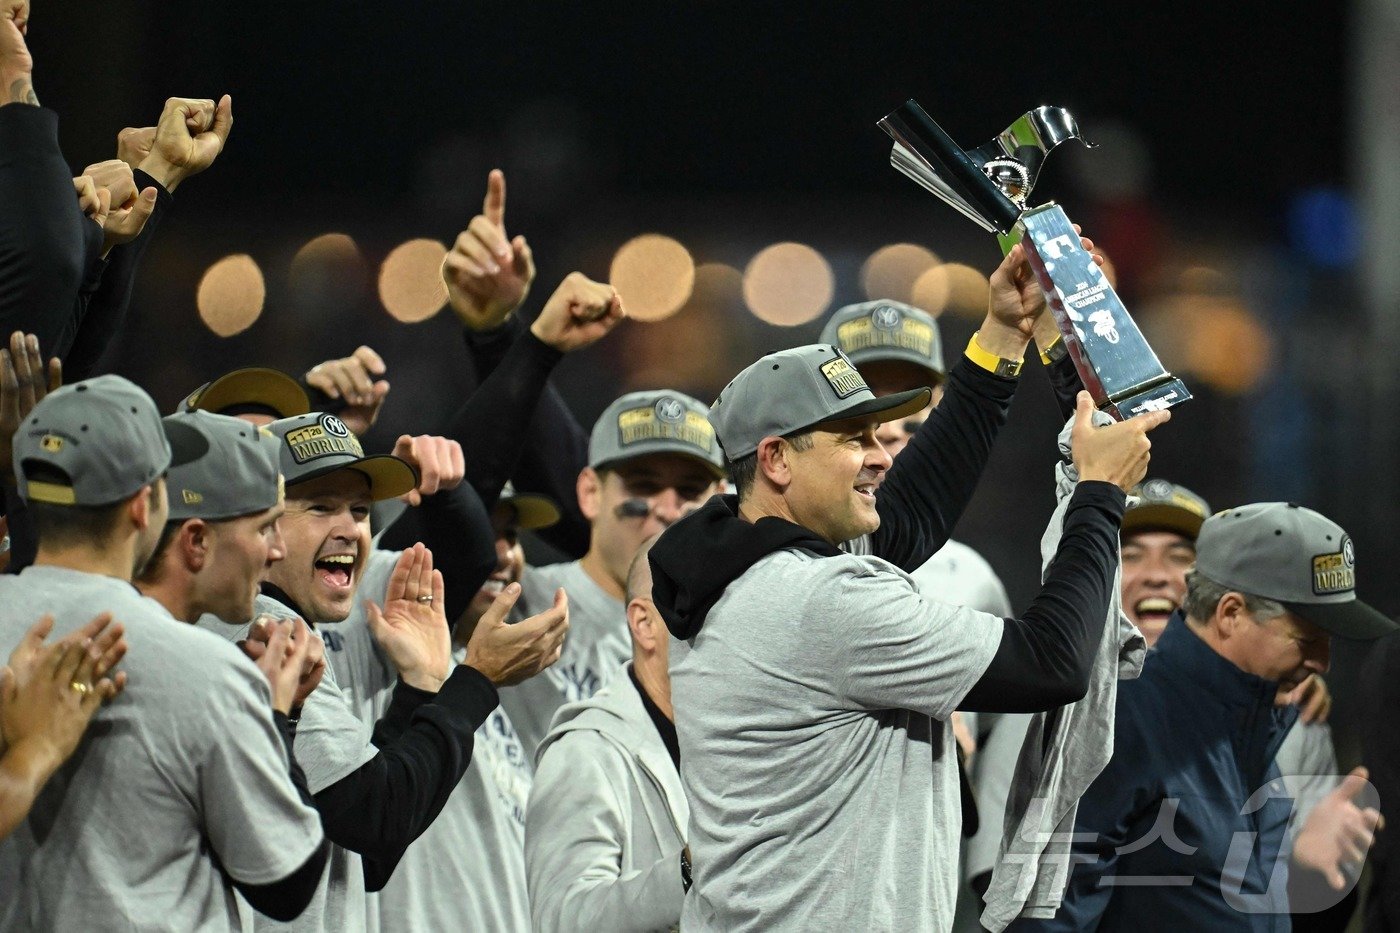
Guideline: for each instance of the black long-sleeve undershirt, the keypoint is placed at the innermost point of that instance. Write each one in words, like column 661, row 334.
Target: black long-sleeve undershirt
column 49, row 250
column 1064, row 379
column 1045, row 658
column 286, row 898
column 107, row 307
column 425, row 744
column 924, row 493
column 555, row 447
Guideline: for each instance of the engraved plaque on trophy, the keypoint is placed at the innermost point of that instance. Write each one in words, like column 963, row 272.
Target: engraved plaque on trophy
column 990, row 185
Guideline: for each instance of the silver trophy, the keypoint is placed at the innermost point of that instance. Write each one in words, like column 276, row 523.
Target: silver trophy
column 990, row 185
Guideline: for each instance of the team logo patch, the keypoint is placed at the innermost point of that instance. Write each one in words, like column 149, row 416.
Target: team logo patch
column 1335, row 572
column 51, row 443
column 886, row 327
column 328, row 437
column 1157, row 489
column 886, row 317
column 843, row 378
column 670, row 410
column 667, row 420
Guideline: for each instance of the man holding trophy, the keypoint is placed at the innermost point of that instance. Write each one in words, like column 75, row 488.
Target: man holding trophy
column 812, row 681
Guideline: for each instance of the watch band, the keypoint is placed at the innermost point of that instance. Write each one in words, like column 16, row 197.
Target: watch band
column 990, row 361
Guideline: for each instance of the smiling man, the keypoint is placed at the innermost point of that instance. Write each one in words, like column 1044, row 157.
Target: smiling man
column 652, row 457
column 1195, row 736
column 812, row 686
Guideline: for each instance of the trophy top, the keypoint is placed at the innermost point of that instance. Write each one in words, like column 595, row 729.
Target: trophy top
column 990, row 184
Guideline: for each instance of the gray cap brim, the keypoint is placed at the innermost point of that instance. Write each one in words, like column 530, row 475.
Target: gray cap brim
column 1352, row 619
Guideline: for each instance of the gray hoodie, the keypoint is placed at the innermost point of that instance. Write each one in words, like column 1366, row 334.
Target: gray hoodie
column 605, row 824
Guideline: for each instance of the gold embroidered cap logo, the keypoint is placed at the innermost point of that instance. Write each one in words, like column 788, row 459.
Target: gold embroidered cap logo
column 667, row 420
column 327, row 438
column 51, row 443
column 842, row 377
column 191, row 497
column 1335, row 572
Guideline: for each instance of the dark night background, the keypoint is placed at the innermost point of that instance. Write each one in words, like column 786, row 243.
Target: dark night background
column 731, row 126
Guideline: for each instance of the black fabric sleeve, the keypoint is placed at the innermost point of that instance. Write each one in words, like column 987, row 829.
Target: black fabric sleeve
column 105, row 315
column 456, row 527
column 287, row 898
column 555, row 450
column 1045, row 658
column 925, row 492
column 1064, row 379
column 46, row 249
column 494, row 423
column 385, row 804
column 403, row 703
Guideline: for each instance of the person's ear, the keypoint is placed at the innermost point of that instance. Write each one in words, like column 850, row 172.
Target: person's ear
column 590, row 493
column 775, row 461
column 140, row 506
column 1230, row 614
column 195, row 543
column 641, row 624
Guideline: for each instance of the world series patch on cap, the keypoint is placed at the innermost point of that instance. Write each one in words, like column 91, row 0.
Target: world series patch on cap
column 239, row 475
column 1294, row 556
column 95, row 443
column 655, row 422
column 874, row 331
column 317, row 444
column 793, row 390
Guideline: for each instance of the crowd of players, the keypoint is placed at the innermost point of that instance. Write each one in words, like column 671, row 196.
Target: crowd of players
column 261, row 679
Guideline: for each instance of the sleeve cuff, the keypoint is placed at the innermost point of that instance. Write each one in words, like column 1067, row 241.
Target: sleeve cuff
column 486, row 340
column 1101, row 495
column 982, row 382
column 469, row 692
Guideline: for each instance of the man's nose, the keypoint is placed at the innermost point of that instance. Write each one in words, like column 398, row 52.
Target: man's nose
column 666, row 506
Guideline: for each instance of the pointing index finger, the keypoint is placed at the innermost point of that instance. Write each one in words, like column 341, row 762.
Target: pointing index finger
column 494, row 207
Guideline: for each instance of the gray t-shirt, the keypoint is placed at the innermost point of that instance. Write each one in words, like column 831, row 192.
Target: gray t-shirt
column 331, row 743
column 596, row 648
column 811, row 710
column 475, row 848
column 957, row 574
column 478, row 839
column 180, row 776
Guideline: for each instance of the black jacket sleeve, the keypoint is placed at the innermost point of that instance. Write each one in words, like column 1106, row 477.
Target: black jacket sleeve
column 494, row 422
column 456, row 527
column 1045, row 658
column 287, row 898
column 1064, row 379
column 928, row 487
column 105, row 315
column 385, row 804
column 555, row 447
column 48, row 248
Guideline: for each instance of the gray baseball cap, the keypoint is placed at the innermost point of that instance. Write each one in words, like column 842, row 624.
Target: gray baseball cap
column 238, row 475
column 793, row 390
column 253, row 389
column 1164, row 506
column 657, row 421
column 100, row 440
column 873, row 331
column 316, row 444
column 1295, row 556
